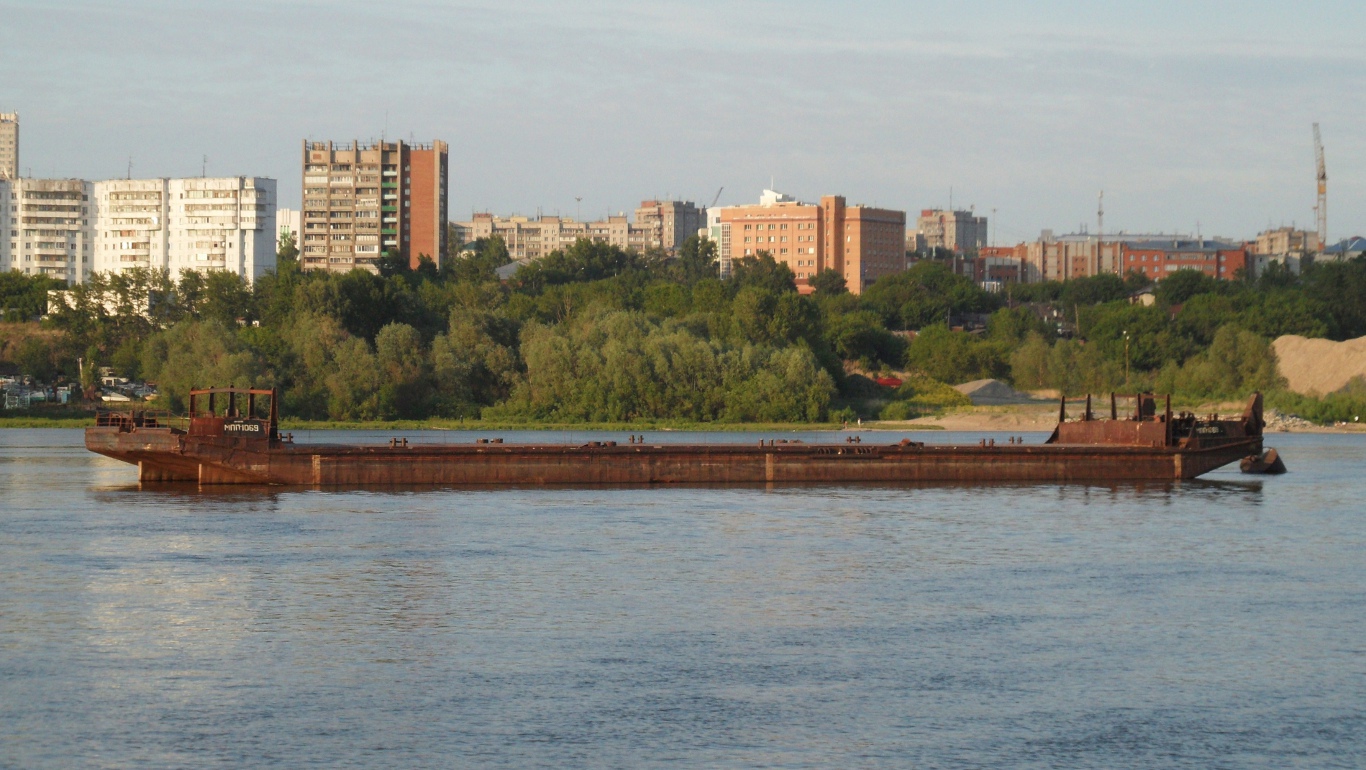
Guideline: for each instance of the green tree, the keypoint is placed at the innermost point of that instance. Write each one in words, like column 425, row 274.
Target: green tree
column 403, row 366
column 829, row 282
column 764, row 273
column 198, row 354
column 1180, row 286
column 697, row 260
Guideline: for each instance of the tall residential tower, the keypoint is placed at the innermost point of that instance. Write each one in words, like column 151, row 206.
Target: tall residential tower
column 364, row 200
column 9, row 145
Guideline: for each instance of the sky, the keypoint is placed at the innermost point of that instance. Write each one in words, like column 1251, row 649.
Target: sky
column 1192, row 116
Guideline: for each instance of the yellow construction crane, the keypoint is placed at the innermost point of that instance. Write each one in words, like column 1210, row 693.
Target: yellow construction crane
column 1321, row 208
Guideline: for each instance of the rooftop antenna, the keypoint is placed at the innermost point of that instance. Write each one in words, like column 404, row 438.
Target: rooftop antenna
column 130, row 167
column 991, row 226
column 204, row 167
column 950, row 197
column 578, row 208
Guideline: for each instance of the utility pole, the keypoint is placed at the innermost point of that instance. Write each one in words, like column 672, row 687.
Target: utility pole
column 1100, row 232
column 1321, row 207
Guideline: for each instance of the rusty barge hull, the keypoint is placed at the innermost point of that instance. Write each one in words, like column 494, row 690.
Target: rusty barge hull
column 170, row 458
column 233, row 445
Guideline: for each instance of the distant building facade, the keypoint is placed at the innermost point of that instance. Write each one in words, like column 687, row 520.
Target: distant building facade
column 674, row 221
column 9, row 145
column 47, row 227
column 1286, row 241
column 363, row 200
column 861, row 243
column 1065, row 257
column 958, row 231
column 1158, row 259
column 1283, row 245
column 1347, row 248
column 289, row 222
column 659, row 225
column 195, row 224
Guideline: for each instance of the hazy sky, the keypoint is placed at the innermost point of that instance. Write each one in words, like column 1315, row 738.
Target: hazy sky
column 1184, row 112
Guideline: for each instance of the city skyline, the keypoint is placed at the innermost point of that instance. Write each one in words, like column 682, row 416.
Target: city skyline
column 1189, row 117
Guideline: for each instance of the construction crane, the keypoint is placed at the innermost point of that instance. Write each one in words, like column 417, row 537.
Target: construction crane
column 1321, row 208
column 717, row 198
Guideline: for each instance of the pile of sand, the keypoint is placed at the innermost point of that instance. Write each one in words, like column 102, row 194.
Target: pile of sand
column 1319, row 367
column 992, row 393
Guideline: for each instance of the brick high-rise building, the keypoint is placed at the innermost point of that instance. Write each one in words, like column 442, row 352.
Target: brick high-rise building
column 860, row 243
column 9, row 145
column 364, row 200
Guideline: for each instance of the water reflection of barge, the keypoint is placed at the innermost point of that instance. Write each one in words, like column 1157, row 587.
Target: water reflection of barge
column 232, row 436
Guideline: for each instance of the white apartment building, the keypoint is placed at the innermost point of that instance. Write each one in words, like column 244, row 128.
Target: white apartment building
column 47, row 227
column 200, row 224
column 287, row 222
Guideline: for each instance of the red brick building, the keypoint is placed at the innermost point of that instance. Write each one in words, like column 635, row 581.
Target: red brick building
column 1157, row 259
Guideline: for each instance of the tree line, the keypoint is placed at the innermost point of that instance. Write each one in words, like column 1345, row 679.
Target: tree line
column 596, row 333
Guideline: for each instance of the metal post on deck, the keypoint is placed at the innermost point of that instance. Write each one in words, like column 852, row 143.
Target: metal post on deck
column 1169, row 419
column 274, row 414
column 1114, row 407
column 1088, row 408
column 1062, row 408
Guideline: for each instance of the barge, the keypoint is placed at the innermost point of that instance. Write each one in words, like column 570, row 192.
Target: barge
column 232, row 436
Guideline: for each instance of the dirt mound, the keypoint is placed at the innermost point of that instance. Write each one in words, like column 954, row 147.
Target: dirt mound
column 992, row 393
column 1319, row 367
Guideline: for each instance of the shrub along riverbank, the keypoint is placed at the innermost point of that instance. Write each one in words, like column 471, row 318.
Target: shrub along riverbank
column 593, row 335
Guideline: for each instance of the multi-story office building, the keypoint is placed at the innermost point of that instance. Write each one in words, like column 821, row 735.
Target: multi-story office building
column 958, row 231
column 859, row 242
column 364, row 200
column 196, row 224
column 674, row 221
column 47, row 227
column 9, row 145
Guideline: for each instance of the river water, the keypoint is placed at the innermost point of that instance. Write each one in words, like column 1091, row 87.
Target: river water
column 1211, row 624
